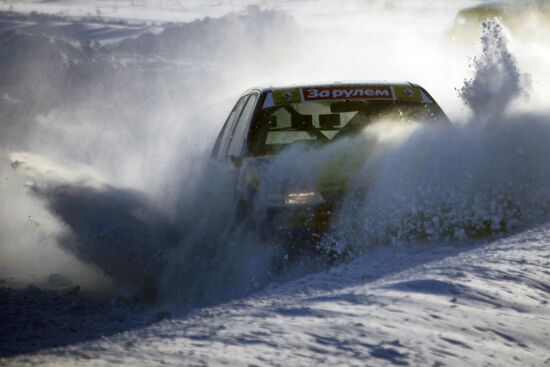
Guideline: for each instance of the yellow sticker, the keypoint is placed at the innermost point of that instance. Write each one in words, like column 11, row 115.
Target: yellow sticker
column 407, row 93
column 284, row 96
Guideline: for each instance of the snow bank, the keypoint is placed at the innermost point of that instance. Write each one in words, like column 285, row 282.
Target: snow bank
column 398, row 305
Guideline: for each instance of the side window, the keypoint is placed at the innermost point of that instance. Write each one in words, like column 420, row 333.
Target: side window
column 241, row 129
column 225, row 134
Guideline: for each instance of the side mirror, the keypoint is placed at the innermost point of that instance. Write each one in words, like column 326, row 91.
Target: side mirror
column 237, row 161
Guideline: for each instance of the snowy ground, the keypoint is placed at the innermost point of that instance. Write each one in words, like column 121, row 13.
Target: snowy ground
column 473, row 304
column 103, row 143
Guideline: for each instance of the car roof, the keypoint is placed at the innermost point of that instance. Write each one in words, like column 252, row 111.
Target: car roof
column 269, row 88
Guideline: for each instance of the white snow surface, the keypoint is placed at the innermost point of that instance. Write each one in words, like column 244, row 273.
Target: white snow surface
column 97, row 111
column 473, row 304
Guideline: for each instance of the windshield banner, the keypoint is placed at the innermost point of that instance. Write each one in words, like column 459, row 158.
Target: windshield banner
column 339, row 92
column 347, row 92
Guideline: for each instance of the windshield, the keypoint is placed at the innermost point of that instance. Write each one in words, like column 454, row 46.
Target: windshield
column 277, row 127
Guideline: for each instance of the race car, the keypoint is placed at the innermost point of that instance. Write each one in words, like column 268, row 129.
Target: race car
column 267, row 122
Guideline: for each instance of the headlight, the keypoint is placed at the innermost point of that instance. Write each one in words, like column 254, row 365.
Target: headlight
column 303, row 198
